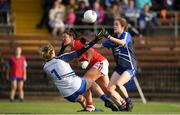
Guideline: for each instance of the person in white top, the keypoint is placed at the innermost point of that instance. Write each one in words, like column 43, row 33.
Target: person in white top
column 71, row 86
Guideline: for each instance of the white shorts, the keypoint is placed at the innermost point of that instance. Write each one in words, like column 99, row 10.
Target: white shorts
column 102, row 66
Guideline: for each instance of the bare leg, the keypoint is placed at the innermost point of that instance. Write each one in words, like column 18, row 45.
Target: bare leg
column 124, row 78
column 112, row 90
column 13, row 89
column 82, row 101
column 92, row 74
column 21, row 91
column 103, row 82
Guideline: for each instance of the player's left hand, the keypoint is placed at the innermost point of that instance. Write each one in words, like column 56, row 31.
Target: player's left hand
column 99, row 35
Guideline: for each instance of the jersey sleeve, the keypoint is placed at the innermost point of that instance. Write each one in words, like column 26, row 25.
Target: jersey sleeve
column 107, row 44
column 127, row 37
column 77, row 45
column 74, row 54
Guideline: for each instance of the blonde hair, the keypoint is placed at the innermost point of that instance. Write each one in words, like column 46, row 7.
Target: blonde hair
column 46, row 51
column 123, row 22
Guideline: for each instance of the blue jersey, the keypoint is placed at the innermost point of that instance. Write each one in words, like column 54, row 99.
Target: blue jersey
column 123, row 55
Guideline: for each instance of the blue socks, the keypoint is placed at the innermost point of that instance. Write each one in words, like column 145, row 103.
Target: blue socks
column 128, row 100
column 121, row 107
column 104, row 97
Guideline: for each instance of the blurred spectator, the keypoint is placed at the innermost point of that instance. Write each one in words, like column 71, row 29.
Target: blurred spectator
column 4, row 9
column 108, row 3
column 131, row 13
column 168, row 4
column 70, row 18
column 166, row 15
column 112, row 12
column 16, row 73
column 56, row 18
column 79, row 13
column 86, row 2
column 72, row 4
column 147, row 20
column 46, row 6
column 139, row 4
column 100, row 11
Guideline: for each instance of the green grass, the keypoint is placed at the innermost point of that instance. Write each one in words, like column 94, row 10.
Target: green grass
column 64, row 107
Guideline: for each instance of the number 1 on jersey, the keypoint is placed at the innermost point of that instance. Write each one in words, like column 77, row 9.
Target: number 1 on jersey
column 56, row 74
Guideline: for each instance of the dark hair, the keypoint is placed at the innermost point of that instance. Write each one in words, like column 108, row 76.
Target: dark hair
column 72, row 32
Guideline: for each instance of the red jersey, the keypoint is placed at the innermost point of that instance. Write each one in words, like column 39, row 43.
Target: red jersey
column 96, row 56
column 17, row 66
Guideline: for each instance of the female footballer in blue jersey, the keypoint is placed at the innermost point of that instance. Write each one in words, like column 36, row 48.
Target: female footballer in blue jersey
column 70, row 86
column 122, row 48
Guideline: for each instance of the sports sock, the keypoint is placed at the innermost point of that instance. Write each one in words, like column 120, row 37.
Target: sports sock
column 128, row 100
column 104, row 98
column 121, row 107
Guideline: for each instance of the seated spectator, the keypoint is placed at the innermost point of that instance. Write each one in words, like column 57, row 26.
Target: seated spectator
column 147, row 20
column 131, row 13
column 166, row 15
column 70, row 18
column 4, row 9
column 99, row 10
column 56, row 18
column 140, row 4
column 112, row 12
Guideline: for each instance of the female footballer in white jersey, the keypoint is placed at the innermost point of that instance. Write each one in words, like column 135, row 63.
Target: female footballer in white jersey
column 70, row 86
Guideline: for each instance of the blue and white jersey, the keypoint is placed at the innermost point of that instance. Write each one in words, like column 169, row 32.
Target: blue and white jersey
column 123, row 55
column 63, row 76
column 61, row 72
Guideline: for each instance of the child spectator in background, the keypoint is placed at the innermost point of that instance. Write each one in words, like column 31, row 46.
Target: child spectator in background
column 16, row 73
column 56, row 18
column 70, row 18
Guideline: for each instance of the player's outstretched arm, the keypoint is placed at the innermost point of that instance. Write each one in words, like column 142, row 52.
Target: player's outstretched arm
column 70, row 56
column 63, row 47
column 113, row 39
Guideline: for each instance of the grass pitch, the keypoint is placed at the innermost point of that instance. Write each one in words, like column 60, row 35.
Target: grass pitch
column 64, row 107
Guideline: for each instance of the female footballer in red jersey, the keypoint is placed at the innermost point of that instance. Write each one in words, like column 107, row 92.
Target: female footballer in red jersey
column 16, row 73
column 97, row 64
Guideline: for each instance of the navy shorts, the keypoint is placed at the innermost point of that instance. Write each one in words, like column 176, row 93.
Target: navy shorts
column 119, row 70
column 17, row 79
column 80, row 91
